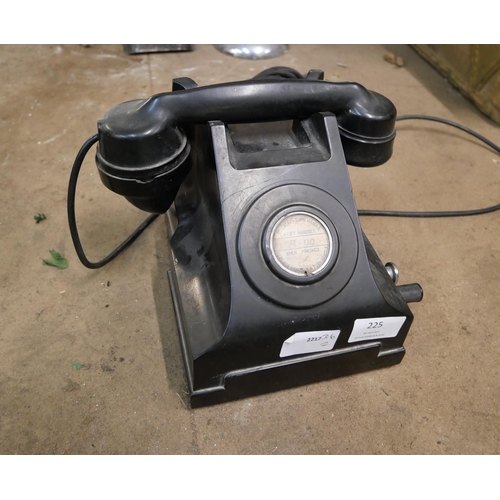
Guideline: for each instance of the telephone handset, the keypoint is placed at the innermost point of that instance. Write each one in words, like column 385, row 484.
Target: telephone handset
column 273, row 282
column 143, row 152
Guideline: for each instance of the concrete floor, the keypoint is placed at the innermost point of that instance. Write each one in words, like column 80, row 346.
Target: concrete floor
column 89, row 359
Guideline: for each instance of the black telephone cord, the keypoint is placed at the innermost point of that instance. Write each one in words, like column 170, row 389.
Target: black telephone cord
column 72, row 218
column 453, row 213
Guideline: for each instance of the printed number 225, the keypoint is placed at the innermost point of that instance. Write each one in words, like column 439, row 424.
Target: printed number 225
column 374, row 324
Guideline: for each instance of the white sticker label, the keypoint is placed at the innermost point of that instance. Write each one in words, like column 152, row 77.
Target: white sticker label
column 306, row 342
column 376, row 328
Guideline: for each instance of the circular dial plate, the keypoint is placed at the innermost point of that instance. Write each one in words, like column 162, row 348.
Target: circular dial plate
column 256, row 258
column 301, row 244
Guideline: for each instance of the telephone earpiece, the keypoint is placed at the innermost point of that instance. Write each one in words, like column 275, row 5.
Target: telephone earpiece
column 144, row 155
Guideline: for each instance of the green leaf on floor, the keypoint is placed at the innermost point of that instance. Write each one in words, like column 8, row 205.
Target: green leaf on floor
column 56, row 260
column 39, row 217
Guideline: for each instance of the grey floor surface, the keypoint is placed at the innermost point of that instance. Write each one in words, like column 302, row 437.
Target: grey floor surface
column 90, row 361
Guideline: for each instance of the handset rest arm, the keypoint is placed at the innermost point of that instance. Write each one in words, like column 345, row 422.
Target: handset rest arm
column 145, row 135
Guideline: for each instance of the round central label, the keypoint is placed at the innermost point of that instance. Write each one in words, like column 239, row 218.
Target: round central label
column 301, row 244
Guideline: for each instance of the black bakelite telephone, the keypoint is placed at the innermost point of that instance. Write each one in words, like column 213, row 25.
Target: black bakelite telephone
column 273, row 282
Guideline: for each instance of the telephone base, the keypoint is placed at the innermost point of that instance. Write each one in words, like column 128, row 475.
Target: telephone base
column 249, row 323
column 284, row 374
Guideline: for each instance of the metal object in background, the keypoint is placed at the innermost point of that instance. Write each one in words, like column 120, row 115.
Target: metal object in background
column 149, row 49
column 253, row 51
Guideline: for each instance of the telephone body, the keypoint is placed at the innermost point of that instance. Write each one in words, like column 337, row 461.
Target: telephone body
column 274, row 283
